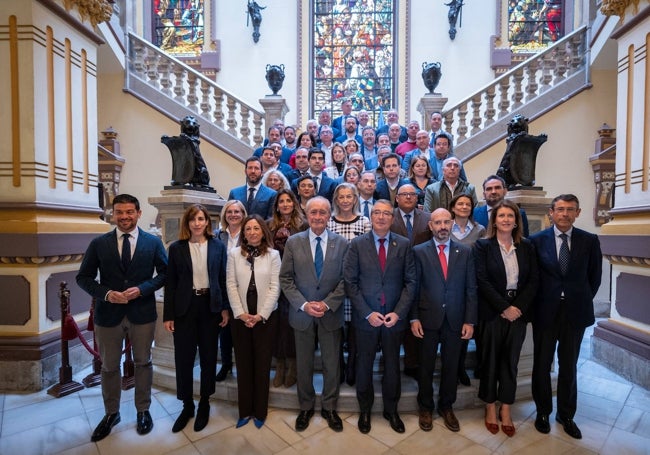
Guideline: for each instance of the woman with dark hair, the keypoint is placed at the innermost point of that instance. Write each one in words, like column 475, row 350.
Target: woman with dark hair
column 232, row 215
column 348, row 221
column 305, row 139
column 465, row 231
column 196, row 306
column 305, row 190
column 287, row 220
column 419, row 174
column 253, row 283
column 506, row 271
column 351, row 175
column 339, row 160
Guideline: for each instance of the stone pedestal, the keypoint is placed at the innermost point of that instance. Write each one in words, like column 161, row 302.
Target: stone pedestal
column 275, row 107
column 429, row 104
column 534, row 201
column 171, row 205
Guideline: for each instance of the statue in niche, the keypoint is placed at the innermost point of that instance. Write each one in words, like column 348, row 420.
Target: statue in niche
column 275, row 77
column 188, row 166
column 255, row 16
column 517, row 166
column 431, row 74
column 455, row 12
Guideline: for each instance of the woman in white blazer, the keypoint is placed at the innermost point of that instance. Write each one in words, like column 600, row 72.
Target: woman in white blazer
column 253, row 284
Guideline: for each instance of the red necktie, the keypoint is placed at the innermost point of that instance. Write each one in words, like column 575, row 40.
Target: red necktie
column 382, row 264
column 443, row 260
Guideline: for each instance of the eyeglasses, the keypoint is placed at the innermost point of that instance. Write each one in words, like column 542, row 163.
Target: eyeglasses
column 407, row 194
column 380, row 213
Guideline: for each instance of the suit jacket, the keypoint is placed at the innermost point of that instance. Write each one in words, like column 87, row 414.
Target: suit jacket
column 434, row 168
column 480, row 215
column 406, row 162
column 365, row 283
column 403, row 135
column 263, row 202
column 455, row 298
column 344, row 137
column 326, row 186
column 267, row 282
column 383, row 192
column 437, row 195
column 491, row 277
column 179, row 284
column 284, row 158
column 103, row 256
column 300, row 284
column 580, row 283
column 420, row 222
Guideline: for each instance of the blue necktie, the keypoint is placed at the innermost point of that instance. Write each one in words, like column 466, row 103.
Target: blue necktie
column 366, row 212
column 409, row 226
column 318, row 258
column 126, row 251
column 251, row 198
column 563, row 258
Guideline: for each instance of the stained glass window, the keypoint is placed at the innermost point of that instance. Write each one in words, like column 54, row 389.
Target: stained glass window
column 534, row 24
column 353, row 55
column 178, row 26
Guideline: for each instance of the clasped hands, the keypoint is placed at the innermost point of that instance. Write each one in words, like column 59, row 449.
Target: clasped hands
column 250, row 320
column 377, row 319
column 316, row 309
column 512, row 313
column 123, row 297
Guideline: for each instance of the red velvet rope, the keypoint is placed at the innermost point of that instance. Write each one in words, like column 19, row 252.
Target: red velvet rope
column 70, row 331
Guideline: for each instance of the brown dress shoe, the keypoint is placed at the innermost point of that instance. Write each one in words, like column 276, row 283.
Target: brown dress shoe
column 425, row 420
column 450, row 419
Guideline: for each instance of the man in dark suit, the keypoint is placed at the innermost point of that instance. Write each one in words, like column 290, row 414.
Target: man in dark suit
column 494, row 191
column 256, row 197
column 387, row 187
column 412, row 223
column 380, row 282
column 126, row 259
column 311, row 277
column 349, row 131
column 325, row 185
column 392, row 117
column 346, row 108
column 366, row 186
column 444, row 313
column 570, row 269
column 275, row 135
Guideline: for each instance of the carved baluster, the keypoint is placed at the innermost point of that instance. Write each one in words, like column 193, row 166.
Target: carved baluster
column 179, row 86
column 476, row 119
column 165, row 82
column 192, row 99
column 462, row 123
column 548, row 64
column 244, row 130
column 504, row 102
column 205, row 98
column 449, row 122
column 231, row 122
column 517, row 94
column 151, row 61
column 532, row 86
column 257, row 137
column 490, row 112
column 575, row 53
column 218, row 107
column 560, row 64
column 138, row 57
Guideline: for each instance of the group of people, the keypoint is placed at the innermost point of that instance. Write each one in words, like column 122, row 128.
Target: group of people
column 362, row 267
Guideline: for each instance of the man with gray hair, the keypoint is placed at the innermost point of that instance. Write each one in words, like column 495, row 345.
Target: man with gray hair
column 440, row 193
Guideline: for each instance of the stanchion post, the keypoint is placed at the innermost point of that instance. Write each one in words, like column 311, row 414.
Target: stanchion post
column 128, row 368
column 66, row 385
column 94, row 378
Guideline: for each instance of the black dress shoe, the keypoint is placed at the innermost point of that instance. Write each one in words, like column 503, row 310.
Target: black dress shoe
column 364, row 422
column 144, row 422
column 448, row 416
column 181, row 421
column 223, row 372
column 395, row 422
column 463, row 378
column 412, row 372
column 202, row 416
column 542, row 424
column 333, row 420
column 105, row 426
column 302, row 421
column 570, row 427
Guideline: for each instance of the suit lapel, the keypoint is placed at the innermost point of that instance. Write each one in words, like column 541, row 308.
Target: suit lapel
column 306, row 251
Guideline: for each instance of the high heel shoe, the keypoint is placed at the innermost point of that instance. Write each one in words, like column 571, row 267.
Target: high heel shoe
column 223, row 372
column 509, row 430
column 491, row 427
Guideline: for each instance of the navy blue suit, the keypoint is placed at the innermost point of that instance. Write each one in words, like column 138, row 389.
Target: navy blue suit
column 284, row 158
column 442, row 306
column 341, row 139
column 372, row 290
column 383, row 192
column 196, row 318
column 326, row 186
column 403, row 135
column 480, row 215
column 561, row 319
column 262, row 204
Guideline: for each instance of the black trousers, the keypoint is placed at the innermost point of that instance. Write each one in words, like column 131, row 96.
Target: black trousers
column 450, row 346
column 198, row 328
column 253, row 350
column 501, row 342
column 568, row 340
